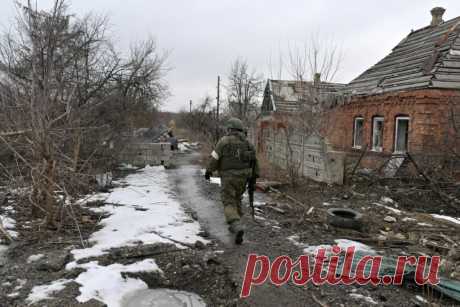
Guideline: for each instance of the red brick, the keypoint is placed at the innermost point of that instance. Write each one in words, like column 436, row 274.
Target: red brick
column 428, row 111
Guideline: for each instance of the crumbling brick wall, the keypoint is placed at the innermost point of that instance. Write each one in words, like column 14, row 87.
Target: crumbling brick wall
column 430, row 130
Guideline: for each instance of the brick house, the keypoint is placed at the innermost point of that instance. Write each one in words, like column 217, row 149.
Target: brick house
column 284, row 100
column 280, row 136
column 407, row 102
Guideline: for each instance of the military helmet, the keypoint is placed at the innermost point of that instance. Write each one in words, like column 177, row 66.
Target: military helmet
column 235, row 123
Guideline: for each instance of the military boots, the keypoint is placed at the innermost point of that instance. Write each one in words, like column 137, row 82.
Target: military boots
column 238, row 230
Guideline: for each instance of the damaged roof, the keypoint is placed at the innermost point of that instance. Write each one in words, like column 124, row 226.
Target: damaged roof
column 426, row 58
column 284, row 96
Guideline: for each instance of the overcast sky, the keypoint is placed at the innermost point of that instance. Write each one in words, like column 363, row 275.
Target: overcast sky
column 205, row 36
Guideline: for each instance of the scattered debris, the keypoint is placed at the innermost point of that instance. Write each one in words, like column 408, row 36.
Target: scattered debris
column 421, row 299
column 265, row 185
column 396, row 211
column 216, row 180
column 346, row 218
column 447, row 218
column 390, row 219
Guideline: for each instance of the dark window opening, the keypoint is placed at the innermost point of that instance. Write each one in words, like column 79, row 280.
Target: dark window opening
column 358, row 132
column 401, row 134
column 377, row 134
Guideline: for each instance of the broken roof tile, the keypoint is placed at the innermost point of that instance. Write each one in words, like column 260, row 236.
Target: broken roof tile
column 426, row 58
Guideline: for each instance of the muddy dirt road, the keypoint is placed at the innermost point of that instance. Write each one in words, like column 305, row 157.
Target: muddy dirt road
column 211, row 273
column 203, row 199
column 268, row 236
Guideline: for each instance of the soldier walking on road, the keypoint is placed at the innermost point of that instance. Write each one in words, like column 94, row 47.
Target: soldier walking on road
column 233, row 157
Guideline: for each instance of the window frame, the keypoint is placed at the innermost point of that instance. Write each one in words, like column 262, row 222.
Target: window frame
column 375, row 119
column 397, row 118
column 355, row 120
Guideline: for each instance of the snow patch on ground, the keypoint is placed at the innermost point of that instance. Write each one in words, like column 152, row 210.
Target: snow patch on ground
column 295, row 240
column 142, row 210
column 421, row 299
column 34, row 258
column 184, row 146
column 259, row 203
column 447, row 218
column 342, row 243
column 187, row 147
column 9, row 224
column 44, row 292
column 127, row 167
column 106, row 284
column 162, row 216
column 387, row 200
column 367, row 299
column 312, row 250
column 92, row 198
column 21, row 284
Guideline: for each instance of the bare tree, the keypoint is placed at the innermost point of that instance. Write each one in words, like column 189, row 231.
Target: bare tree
column 312, row 66
column 202, row 121
column 64, row 91
column 319, row 55
column 243, row 89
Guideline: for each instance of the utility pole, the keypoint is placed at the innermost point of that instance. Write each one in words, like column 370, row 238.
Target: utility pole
column 190, row 106
column 218, row 104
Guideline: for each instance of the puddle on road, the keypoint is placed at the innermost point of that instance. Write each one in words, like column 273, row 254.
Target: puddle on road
column 210, row 213
column 162, row 298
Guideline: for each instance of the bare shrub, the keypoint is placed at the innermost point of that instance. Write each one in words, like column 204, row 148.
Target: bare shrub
column 243, row 90
column 65, row 95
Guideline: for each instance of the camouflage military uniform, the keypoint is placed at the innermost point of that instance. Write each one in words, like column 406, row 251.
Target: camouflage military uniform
column 233, row 158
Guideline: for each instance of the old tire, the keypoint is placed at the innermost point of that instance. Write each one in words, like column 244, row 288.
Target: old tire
column 345, row 218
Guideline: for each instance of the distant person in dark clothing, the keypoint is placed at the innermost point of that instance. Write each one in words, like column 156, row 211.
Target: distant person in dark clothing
column 173, row 141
